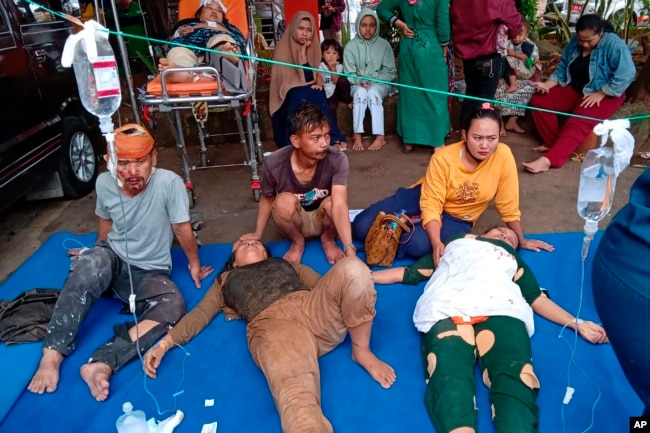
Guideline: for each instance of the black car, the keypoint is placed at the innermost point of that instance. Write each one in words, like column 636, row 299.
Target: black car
column 48, row 143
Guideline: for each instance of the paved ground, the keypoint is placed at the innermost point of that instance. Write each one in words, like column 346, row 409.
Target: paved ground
column 548, row 201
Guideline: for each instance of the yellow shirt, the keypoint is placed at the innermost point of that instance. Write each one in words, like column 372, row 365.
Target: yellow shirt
column 465, row 194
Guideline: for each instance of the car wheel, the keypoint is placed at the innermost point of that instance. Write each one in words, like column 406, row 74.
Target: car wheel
column 78, row 166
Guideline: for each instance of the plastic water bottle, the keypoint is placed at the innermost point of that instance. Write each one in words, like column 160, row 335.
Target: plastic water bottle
column 597, row 184
column 98, row 79
column 393, row 225
column 133, row 421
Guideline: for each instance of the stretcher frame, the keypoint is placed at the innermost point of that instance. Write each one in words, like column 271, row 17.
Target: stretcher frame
column 241, row 104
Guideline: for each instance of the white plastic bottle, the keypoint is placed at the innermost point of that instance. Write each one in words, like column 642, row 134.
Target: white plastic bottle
column 132, row 421
column 597, row 184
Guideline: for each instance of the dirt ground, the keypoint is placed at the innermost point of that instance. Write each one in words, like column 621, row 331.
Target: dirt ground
column 225, row 202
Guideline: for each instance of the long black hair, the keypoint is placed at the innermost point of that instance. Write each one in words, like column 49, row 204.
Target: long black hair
column 594, row 23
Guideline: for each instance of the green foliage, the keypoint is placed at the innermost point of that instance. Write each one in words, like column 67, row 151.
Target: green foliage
column 528, row 8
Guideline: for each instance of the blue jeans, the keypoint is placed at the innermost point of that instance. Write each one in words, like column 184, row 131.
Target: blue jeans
column 408, row 199
column 625, row 315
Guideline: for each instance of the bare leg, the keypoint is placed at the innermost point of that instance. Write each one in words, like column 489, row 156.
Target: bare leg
column 361, row 354
column 287, row 219
column 358, row 142
column 540, row 165
column 46, row 377
column 174, row 77
column 328, row 238
column 512, row 84
column 96, row 375
column 378, row 143
column 512, row 125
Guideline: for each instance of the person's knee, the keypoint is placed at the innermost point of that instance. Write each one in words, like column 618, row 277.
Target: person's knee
column 285, row 206
column 93, row 261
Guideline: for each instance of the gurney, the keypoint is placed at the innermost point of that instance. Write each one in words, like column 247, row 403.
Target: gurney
column 233, row 89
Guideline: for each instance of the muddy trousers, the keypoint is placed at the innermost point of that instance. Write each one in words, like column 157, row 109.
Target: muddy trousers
column 504, row 357
column 287, row 337
column 93, row 273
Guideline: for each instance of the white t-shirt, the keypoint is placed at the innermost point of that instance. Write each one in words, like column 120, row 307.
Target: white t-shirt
column 145, row 224
column 328, row 84
column 474, row 278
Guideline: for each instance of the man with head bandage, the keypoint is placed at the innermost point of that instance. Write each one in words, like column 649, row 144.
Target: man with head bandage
column 139, row 214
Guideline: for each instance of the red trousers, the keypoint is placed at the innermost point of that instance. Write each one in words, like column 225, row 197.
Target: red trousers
column 562, row 142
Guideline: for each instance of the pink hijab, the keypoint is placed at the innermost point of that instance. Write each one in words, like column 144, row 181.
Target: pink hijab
column 284, row 78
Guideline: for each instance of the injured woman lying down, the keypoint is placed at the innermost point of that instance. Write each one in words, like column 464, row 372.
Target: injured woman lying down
column 478, row 305
column 209, row 29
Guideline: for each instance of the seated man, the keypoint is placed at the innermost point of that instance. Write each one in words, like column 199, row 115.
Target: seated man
column 137, row 223
column 209, row 29
column 478, row 303
column 304, row 188
column 294, row 316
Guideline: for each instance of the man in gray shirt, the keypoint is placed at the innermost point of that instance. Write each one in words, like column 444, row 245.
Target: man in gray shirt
column 140, row 209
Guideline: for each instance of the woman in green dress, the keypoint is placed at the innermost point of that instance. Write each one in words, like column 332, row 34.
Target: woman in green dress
column 422, row 117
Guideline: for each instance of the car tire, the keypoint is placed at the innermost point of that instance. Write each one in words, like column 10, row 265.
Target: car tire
column 78, row 165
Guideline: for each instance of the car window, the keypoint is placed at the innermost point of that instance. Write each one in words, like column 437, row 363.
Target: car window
column 3, row 24
column 40, row 13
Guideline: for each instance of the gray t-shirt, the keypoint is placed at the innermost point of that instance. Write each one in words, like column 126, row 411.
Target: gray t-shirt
column 145, row 224
column 278, row 177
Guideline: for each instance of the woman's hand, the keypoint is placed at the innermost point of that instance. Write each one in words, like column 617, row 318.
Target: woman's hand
column 185, row 30
column 592, row 332
column 535, row 245
column 152, row 360
column 591, row 99
column 438, row 251
column 406, row 31
column 542, row 88
column 317, row 86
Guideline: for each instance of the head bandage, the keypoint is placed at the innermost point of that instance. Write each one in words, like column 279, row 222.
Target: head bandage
column 219, row 2
column 132, row 141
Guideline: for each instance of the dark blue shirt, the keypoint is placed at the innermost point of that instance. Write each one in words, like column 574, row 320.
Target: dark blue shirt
column 625, row 245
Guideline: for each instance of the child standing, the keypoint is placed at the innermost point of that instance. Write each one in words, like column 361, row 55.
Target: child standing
column 337, row 88
column 369, row 56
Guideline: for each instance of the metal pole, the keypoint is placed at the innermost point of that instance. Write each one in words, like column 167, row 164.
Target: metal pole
column 125, row 64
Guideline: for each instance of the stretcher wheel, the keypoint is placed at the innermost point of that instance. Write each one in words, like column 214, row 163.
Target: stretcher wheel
column 257, row 194
column 191, row 197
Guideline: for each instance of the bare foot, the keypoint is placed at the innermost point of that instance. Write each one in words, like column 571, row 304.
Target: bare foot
column 512, row 125
column 378, row 369
column 332, row 252
column 377, row 143
column 294, row 253
column 96, row 375
column 540, row 148
column 163, row 64
column 503, row 132
column 358, row 144
column 540, row 165
column 511, row 88
column 46, row 377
